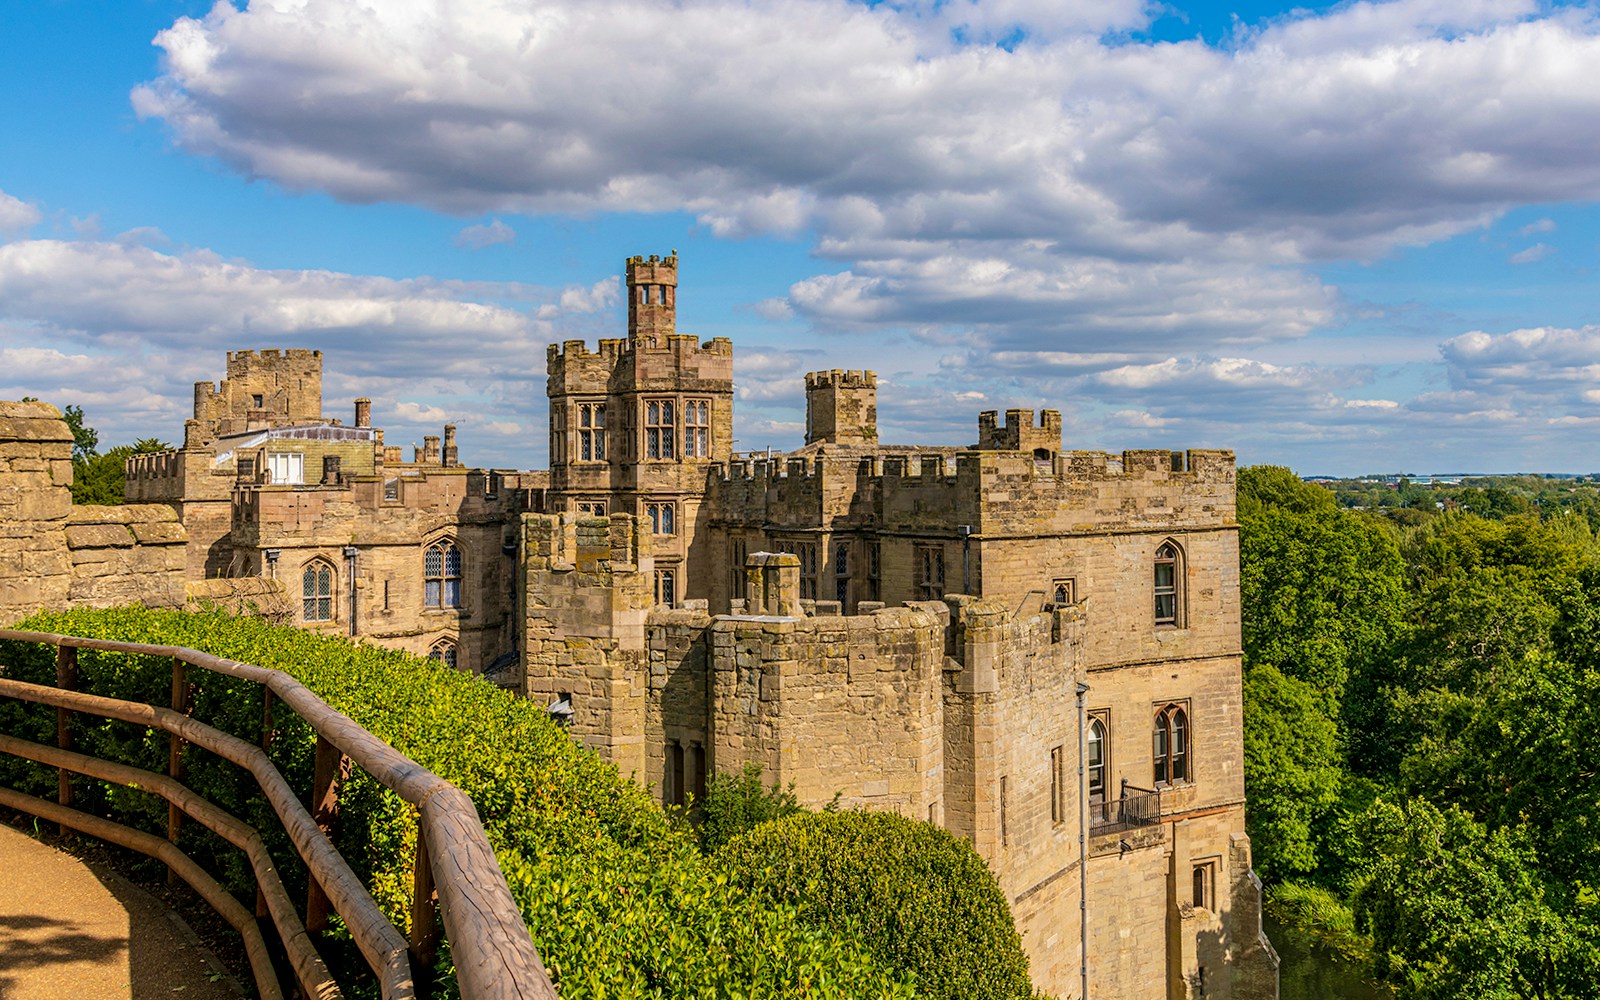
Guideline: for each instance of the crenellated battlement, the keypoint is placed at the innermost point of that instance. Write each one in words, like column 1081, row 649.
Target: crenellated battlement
column 1020, row 432
column 272, row 356
column 612, row 350
column 839, row 378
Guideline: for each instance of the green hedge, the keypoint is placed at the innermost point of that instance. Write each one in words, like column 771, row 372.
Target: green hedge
column 620, row 901
column 918, row 897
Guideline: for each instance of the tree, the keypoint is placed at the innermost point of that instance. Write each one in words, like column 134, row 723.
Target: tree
column 1459, row 913
column 84, row 437
column 1292, row 770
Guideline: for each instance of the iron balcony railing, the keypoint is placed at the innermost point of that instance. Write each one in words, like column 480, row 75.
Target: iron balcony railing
column 1135, row 807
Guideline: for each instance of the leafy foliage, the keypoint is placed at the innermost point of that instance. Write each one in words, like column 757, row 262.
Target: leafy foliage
column 1292, row 766
column 620, row 900
column 919, row 898
column 738, row 802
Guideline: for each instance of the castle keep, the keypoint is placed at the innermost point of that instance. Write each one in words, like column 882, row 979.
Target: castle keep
column 964, row 634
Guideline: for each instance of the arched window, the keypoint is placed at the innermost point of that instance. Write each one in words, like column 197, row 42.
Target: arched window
column 1168, row 573
column 316, row 590
column 1096, row 764
column 441, row 569
column 445, row 652
column 1172, row 745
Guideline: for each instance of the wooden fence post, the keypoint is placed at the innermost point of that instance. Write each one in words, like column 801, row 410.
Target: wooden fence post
column 324, row 809
column 424, row 938
column 66, row 680
column 180, row 704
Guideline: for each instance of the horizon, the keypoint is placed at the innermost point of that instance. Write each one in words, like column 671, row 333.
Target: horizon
column 1326, row 236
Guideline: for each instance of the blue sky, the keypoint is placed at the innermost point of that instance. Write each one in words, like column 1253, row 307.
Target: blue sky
column 1345, row 238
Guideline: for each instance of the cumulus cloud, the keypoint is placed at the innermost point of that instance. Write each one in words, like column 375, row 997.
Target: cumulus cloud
column 488, row 234
column 1067, row 184
column 17, row 216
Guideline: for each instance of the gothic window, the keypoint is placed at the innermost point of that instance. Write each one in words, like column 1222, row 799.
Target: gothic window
column 317, row 592
column 841, row 574
column 445, row 652
column 738, row 549
column 591, row 432
column 696, row 428
column 1095, row 765
column 441, row 571
column 659, row 428
column 1204, row 875
column 558, row 435
column 662, row 518
column 1064, row 591
column 666, row 587
column 591, row 508
column 930, row 572
column 806, row 552
column 1172, row 745
column 1168, row 573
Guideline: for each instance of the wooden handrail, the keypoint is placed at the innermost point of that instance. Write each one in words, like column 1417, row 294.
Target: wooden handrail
column 494, row 955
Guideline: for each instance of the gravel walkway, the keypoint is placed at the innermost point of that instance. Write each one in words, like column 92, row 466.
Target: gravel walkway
column 68, row 932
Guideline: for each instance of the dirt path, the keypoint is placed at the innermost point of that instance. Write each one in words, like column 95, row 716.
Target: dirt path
column 67, row 932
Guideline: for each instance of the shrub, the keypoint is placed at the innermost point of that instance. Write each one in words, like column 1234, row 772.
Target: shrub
column 620, row 901
column 738, row 802
column 919, row 898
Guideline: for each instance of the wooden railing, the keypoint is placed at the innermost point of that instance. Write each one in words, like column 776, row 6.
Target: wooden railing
column 493, row 954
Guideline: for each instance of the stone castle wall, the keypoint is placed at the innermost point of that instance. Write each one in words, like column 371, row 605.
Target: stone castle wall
column 55, row 554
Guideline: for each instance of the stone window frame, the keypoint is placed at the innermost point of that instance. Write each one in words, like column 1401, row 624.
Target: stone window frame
column 666, row 587
column 738, row 553
column 874, row 570
column 1172, row 744
column 1064, row 590
column 441, row 579
column 391, row 490
column 804, row 550
column 658, row 417
column 842, row 572
column 591, row 430
column 663, row 517
column 676, row 773
column 696, row 428
column 1203, row 883
column 1167, row 590
column 1058, row 784
column 558, row 435
column 1098, row 717
column 316, row 600
column 445, row 650
column 591, row 508
column 928, row 564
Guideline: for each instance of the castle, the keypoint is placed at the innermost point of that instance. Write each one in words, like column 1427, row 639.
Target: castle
column 968, row 635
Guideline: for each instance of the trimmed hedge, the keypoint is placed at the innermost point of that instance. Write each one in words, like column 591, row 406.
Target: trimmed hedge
column 619, row 899
column 919, row 898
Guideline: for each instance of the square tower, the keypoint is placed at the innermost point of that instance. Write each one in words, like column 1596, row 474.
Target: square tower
column 842, row 407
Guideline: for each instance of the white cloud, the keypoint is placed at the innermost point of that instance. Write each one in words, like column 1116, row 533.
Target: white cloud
column 1539, row 251
column 1069, row 187
column 419, row 413
column 17, row 216
column 489, row 234
column 1540, row 226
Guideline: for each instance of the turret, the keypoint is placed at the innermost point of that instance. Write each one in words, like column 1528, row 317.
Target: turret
column 652, row 287
column 842, row 407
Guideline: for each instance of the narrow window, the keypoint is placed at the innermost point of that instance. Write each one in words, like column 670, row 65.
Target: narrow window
column 666, row 587
column 391, row 489
column 1172, row 745
column 930, row 572
column 257, row 402
column 317, row 593
column 696, row 428
column 841, row 575
column 1058, row 801
column 874, row 572
column 1166, row 584
column 660, row 428
column 441, row 570
column 806, row 552
column 675, row 763
column 661, row 518
column 736, row 569
column 1003, row 831
column 591, row 432
column 1095, row 766
column 697, row 757
column 1205, row 886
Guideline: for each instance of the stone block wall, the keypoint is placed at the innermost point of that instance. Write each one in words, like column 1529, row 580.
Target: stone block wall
column 35, row 499
column 131, row 554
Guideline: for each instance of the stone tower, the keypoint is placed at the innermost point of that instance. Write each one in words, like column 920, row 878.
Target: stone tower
column 652, row 298
column 263, row 389
column 842, row 407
